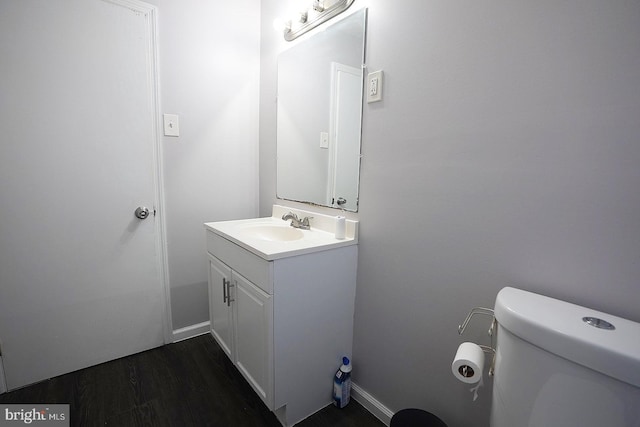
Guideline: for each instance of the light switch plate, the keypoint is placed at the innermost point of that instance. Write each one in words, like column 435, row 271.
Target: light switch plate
column 171, row 125
column 374, row 86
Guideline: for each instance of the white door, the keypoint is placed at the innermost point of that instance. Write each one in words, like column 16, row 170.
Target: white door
column 219, row 308
column 81, row 278
column 253, row 314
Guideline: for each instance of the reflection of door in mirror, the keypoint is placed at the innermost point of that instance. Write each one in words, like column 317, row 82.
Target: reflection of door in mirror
column 344, row 142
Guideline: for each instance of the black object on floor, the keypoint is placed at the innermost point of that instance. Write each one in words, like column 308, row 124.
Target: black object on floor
column 415, row 418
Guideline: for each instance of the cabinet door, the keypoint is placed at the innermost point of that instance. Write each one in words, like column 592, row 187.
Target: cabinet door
column 219, row 310
column 253, row 316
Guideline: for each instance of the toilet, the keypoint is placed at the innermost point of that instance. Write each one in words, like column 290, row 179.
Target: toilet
column 560, row 364
column 557, row 364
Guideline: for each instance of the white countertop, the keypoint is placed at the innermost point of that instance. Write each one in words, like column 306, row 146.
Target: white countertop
column 319, row 238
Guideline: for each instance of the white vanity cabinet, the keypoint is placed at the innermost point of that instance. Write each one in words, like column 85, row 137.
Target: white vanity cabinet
column 241, row 322
column 284, row 322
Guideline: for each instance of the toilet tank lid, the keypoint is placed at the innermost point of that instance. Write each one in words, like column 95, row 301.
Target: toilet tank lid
column 558, row 327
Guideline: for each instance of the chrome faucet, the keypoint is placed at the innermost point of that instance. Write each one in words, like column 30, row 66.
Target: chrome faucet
column 297, row 222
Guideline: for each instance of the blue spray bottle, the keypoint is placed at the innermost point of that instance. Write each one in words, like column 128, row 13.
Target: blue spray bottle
column 342, row 384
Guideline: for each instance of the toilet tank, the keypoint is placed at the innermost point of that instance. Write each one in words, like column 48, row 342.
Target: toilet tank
column 562, row 365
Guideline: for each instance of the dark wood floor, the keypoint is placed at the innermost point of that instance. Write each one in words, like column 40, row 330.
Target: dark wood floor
column 190, row 383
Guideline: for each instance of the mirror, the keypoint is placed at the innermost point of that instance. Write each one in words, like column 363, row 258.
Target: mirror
column 319, row 116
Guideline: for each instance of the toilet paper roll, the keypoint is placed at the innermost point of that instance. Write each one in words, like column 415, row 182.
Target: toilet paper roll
column 341, row 226
column 468, row 363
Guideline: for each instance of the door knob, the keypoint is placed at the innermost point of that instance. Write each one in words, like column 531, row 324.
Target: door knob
column 142, row 212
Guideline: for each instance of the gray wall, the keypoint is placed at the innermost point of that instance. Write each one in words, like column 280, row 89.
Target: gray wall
column 505, row 153
column 209, row 76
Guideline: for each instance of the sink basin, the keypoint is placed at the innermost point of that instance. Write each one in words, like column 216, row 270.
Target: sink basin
column 273, row 233
column 271, row 238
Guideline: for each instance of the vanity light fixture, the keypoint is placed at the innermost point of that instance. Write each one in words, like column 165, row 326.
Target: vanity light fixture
column 318, row 5
column 318, row 12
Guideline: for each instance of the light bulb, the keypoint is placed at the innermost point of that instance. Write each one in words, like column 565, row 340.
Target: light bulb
column 280, row 25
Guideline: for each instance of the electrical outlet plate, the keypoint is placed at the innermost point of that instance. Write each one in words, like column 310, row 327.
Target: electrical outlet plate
column 374, row 86
column 324, row 139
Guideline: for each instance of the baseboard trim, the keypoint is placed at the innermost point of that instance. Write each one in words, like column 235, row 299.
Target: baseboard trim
column 191, row 331
column 371, row 404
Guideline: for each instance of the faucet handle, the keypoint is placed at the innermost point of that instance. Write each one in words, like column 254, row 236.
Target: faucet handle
column 305, row 220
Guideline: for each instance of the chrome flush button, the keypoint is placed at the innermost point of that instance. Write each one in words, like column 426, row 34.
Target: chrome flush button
column 598, row 323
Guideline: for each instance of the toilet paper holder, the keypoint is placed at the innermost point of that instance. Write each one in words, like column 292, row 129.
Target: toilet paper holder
column 487, row 349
